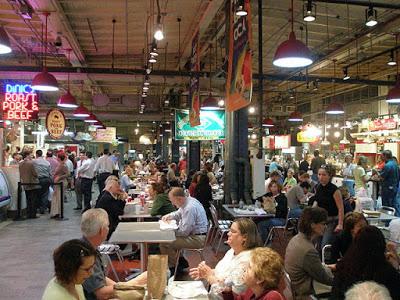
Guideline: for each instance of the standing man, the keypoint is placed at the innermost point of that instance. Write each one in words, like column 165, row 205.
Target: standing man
column 28, row 174
column 192, row 225
column 86, row 174
column 104, row 168
column 78, row 185
column 43, row 170
column 53, row 162
column 390, row 179
column 115, row 159
column 316, row 163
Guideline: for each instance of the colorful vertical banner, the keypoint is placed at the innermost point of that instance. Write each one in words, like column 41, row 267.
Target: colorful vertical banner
column 239, row 85
column 194, row 88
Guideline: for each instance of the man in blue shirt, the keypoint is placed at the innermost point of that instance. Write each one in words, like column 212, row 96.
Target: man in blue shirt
column 390, row 179
column 192, row 224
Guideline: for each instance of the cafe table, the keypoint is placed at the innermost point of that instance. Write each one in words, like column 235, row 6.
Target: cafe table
column 251, row 214
column 383, row 217
column 143, row 233
column 135, row 211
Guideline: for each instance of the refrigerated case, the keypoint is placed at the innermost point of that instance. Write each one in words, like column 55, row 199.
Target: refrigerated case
column 10, row 178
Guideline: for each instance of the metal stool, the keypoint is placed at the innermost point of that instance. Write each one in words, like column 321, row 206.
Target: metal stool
column 110, row 249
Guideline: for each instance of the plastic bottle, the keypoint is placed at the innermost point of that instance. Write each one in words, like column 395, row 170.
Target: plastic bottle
column 241, row 204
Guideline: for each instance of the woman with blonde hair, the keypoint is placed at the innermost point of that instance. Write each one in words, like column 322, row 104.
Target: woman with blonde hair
column 228, row 273
column 263, row 275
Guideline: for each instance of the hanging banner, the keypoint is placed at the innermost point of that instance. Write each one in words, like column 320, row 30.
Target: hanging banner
column 194, row 88
column 108, row 135
column 382, row 124
column 212, row 126
column 55, row 123
column 239, row 83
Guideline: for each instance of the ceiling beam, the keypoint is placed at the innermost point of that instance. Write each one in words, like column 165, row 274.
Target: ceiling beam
column 362, row 3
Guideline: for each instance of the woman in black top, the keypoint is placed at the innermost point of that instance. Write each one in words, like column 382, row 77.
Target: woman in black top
column 328, row 196
column 203, row 193
column 281, row 212
column 366, row 261
column 353, row 222
column 111, row 204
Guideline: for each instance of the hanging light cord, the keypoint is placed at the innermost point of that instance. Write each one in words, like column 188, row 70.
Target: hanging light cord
column 292, row 17
column 113, row 37
column 69, row 60
column 45, row 41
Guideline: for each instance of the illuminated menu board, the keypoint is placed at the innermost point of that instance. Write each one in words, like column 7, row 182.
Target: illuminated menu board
column 20, row 102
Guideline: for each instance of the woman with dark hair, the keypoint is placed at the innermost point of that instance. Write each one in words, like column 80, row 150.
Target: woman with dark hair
column 366, row 260
column 161, row 203
column 203, row 193
column 353, row 222
column 328, row 196
column 281, row 209
column 73, row 264
column 60, row 175
column 302, row 260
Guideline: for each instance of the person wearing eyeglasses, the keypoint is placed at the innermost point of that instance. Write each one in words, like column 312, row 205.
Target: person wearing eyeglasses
column 73, row 264
column 328, row 196
column 302, row 261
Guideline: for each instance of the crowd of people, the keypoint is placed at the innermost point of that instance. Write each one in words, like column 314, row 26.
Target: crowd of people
column 360, row 259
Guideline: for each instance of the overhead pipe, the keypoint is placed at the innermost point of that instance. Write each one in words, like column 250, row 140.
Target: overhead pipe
column 173, row 73
column 373, row 56
column 362, row 3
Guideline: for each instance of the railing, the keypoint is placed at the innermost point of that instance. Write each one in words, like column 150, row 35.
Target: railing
column 19, row 204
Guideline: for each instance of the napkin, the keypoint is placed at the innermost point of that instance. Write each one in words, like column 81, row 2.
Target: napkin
column 185, row 290
column 170, row 225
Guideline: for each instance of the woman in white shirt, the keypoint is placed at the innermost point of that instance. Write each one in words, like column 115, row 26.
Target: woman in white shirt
column 228, row 273
column 73, row 264
column 347, row 173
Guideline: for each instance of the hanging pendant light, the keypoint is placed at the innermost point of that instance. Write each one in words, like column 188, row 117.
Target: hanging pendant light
column 81, row 112
column 250, row 126
column 295, row 117
column 309, row 11
column 268, row 122
column 292, row 53
column 91, row 119
column 159, row 34
column 44, row 81
column 335, row 109
column 67, row 100
column 393, row 96
column 371, row 16
column 5, row 46
column 210, row 103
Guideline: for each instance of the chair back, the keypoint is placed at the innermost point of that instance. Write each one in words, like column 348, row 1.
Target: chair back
column 326, row 252
column 388, row 210
column 287, row 217
column 214, row 215
column 288, row 290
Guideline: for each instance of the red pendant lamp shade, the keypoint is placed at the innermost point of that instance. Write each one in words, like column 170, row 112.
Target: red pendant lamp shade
column 335, row 109
column 67, row 101
column 45, row 82
column 81, row 112
column 5, row 46
column 91, row 119
column 268, row 122
column 295, row 117
column 292, row 53
column 250, row 126
column 210, row 103
column 394, row 94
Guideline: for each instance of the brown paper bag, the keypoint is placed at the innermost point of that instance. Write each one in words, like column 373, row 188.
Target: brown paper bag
column 124, row 291
column 157, row 275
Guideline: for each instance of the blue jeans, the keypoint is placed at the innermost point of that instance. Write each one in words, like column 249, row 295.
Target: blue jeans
column 388, row 194
column 265, row 226
column 329, row 234
column 349, row 183
column 295, row 212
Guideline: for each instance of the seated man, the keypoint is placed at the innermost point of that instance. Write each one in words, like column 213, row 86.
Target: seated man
column 274, row 175
column 192, row 225
column 297, row 195
column 94, row 227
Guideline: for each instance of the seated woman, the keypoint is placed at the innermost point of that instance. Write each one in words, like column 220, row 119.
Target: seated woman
column 263, row 275
column 73, row 264
column 275, row 196
column 195, row 180
column 302, row 260
column 228, row 273
column 110, row 202
column 353, row 222
column 161, row 203
column 126, row 182
column 203, row 193
column 367, row 260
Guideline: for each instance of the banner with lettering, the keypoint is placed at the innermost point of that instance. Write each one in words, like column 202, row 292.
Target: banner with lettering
column 194, row 88
column 239, row 85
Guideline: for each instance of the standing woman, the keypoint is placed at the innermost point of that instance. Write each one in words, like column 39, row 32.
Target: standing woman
column 203, row 193
column 360, row 175
column 60, row 175
column 328, row 196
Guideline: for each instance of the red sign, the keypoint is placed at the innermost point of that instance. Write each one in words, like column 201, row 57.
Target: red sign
column 20, row 103
column 382, row 124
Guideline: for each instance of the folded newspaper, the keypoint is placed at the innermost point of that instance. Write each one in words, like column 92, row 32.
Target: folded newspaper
column 170, row 225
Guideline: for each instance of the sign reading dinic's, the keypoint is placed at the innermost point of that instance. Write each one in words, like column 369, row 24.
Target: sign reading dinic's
column 20, row 102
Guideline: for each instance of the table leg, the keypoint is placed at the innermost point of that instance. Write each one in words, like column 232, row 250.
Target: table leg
column 143, row 256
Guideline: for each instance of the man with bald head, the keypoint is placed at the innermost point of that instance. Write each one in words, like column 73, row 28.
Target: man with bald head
column 192, row 224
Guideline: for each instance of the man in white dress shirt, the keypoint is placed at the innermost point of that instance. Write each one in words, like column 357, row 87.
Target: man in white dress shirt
column 104, row 168
column 86, row 173
column 78, row 188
